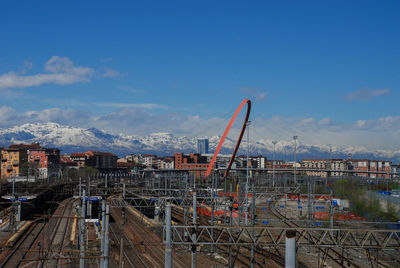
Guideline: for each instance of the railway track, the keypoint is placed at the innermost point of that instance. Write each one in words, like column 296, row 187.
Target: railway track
column 178, row 215
column 261, row 255
column 148, row 244
column 18, row 253
column 35, row 247
column 339, row 258
column 58, row 234
column 5, row 213
column 131, row 254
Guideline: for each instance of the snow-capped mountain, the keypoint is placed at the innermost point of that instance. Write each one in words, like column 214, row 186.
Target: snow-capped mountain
column 74, row 139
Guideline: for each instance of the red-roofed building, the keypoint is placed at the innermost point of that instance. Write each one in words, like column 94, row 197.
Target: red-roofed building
column 79, row 159
column 29, row 160
column 25, row 146
column 43, row 162
column 66, row 161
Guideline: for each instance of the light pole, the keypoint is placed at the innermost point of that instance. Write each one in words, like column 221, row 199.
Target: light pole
column 295, row 164
column 273, row 165
column 247, row 171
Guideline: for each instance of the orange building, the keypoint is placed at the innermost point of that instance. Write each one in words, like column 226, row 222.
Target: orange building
column 14, row 160
column 370, row 165
column 194, row 162
column 10, row 161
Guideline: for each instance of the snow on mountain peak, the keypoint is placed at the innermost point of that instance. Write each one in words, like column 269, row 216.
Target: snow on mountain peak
column 69, row 138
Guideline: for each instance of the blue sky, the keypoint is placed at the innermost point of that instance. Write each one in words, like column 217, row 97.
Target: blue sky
column 327, row 71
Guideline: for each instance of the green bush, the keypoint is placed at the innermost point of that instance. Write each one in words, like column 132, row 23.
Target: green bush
column 372, row 210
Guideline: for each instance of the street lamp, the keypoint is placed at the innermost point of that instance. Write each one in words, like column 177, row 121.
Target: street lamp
column 247, row 171
column 273, row 165
column 295, row 164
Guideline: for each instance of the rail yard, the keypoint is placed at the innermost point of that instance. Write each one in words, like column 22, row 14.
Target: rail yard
column 180, row 221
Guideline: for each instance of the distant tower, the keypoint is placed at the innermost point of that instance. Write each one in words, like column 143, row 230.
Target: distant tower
column 202, row 146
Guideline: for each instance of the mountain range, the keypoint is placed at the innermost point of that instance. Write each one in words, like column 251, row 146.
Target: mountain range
column 76, row 139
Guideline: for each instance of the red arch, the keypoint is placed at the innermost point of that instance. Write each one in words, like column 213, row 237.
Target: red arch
column 211, row 165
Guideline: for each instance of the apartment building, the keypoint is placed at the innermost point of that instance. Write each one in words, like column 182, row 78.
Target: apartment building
column 366, row 165
column 79, row 159
column 168, row 163
column 194, row 162
column 148, row 160
column 10, row 163
column 43, row 162
column 101, row 160
column 320, row 167
column 95, row 159
column 14, row 160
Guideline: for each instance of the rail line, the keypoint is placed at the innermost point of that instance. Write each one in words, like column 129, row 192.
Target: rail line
column 132, row 256
column 152, row 246
column 54, row 229
column 339, row 255
column 16, row 256
column 260, row 254
column 68, row 206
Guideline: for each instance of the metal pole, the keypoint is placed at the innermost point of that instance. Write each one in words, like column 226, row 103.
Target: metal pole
column 295, row 164
column 246, row 209
column 106, row 236
column 331, row 210
column 103, row 222
column 212, row 212
column 82, row 232
column 273, row 166
column 309, row 212
column 89, row 204
column 290, row 249
column 121, row 253
column 186, row 208
column 253, row 215
column 230, row 234
column 330, row 164
column 105, row 184
column 18, row 216
column 194, row 235
column 224, row 212
column 165, row 184
column 168, row 249
column 13, row 206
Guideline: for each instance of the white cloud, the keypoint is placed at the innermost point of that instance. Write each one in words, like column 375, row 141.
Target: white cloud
column 379, row 125
column 254, row 94
column 109, row 73
column 367, row 94
column 132, row 89
column 27, row 66
column 68, row 116
column 325, row 121
column 260, row 97
column 7, row 116
column 59, row 70
column 381, row 133
column 132, row 105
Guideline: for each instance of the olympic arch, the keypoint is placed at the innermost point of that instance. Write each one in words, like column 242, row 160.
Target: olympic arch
column 211, row 165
